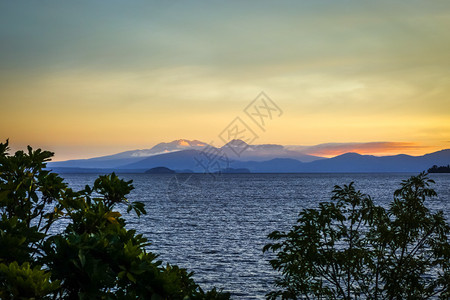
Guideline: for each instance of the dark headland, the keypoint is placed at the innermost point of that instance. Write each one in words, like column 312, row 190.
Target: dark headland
column 160, row 170
column 441, row 169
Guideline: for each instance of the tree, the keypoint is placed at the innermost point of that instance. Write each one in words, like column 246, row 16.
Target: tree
column 350, row 248
column 95, row 257
column 441, row 169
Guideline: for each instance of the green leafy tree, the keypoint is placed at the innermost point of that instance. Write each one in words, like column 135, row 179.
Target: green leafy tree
column 95, row 257
column 350, row 248
column 23, row 282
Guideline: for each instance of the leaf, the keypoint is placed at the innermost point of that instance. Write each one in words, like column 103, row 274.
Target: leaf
column 112, row 216
column 131, row 277
column 82, row 258
column 138, row 207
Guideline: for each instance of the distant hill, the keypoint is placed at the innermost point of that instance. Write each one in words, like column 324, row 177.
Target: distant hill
column 351, row 163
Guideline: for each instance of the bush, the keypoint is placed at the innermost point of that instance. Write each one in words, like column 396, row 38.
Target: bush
column 95, row 257
column 350, row 248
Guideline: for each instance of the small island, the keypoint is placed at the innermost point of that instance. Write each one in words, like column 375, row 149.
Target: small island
column 160, row 170
column 441, row 169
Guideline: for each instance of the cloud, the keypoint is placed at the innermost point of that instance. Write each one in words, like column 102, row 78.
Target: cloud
column 243, row 36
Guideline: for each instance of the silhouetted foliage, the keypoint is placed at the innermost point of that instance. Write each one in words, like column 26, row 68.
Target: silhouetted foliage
column 350, row 248
column 441, row 169
column 95, row 257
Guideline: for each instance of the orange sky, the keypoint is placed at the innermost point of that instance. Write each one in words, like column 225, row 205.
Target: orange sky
column 372, row 148
column 88, row 81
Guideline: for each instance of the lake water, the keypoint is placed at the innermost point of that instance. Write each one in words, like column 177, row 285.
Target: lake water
column 217, row 226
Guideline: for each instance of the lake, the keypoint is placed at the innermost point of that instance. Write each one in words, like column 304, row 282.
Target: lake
column 217, row 225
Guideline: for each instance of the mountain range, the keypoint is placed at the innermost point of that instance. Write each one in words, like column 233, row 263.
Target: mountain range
column 196, row 156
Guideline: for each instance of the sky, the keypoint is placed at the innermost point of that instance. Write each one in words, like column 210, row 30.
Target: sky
column 90, row 78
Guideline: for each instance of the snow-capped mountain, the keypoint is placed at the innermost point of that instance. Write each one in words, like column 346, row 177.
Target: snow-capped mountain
column 185, row 154
column 240, row 150
column 128, row 157
column 176, row 145
column 235, row 150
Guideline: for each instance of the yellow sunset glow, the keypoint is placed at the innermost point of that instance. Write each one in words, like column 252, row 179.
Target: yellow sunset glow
column 84, row 83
